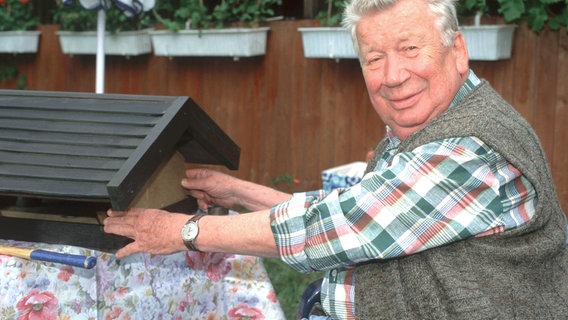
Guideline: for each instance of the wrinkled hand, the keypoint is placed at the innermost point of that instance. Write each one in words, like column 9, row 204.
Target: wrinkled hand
column 153, row 231
column 210, row 188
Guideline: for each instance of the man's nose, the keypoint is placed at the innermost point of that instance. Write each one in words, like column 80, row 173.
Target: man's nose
column 396, row 71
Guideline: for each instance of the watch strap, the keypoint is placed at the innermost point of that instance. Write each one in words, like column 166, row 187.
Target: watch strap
column 191, row 244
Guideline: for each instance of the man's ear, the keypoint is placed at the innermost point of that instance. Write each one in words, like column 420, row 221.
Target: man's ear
column 460, row 51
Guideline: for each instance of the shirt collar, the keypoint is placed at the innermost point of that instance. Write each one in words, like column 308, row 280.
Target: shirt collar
column 471, row 82
column 465, row 89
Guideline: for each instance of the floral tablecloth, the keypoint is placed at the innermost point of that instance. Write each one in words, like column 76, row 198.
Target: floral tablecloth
column 185, row 285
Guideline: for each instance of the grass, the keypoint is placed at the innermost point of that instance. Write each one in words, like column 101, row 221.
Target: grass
column 289, row 284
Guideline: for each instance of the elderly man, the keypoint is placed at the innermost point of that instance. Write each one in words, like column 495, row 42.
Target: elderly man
column 456, row 217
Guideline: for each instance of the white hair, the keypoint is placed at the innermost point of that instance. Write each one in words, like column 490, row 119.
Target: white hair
column 445, row 10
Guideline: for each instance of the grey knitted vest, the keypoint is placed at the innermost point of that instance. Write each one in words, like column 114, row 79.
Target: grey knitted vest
column 519, row 274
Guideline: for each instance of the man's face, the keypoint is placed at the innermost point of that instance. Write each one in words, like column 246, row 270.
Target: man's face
column 410, row 76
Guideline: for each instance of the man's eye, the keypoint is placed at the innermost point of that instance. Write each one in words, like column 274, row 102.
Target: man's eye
column 374, row 60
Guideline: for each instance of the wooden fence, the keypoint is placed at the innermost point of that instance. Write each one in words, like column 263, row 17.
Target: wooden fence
column 298, row 116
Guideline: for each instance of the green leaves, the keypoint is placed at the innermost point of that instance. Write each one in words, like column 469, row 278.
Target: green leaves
column 17, row 15
column 199, row 14
column 334, row 13
column 560, row 20
column 470, row 7
column 511, row 9
column 7, row 71
column 537, row 13
column 73, row 17
column 537, row 18
column 117, row 21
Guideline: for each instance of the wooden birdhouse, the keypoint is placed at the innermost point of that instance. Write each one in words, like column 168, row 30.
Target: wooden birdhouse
column 65, row 158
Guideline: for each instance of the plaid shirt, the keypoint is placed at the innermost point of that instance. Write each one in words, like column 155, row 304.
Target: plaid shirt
column 439, row 193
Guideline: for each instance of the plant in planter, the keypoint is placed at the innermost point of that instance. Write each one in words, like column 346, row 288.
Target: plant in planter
column 536, row 13
column 330, row 40
column 228, row 28
column 125, row 36
column 487, row 41
column 494, row 41
column 17, row 27
column 333, row 14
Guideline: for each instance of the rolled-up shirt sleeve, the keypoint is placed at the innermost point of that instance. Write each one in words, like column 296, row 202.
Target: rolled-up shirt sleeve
column 289, row 226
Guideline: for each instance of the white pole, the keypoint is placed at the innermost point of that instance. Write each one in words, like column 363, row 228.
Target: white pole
column 101, row 29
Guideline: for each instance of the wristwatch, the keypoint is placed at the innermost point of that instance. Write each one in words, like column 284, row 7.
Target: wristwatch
column 189, row 232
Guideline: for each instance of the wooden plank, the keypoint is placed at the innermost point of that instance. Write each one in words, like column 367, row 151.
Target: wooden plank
column 73, row 127
column 66, row 149
column 545, row 91
column 96, row 117
column 127, row 104
column 523, row 77
column 163, row 188
column 54, row 173
column 60, row 232
column 58, row 160
column 69, row 223
column 34, row 187
column 560, row 160
column 296, row 120
column 80, row 138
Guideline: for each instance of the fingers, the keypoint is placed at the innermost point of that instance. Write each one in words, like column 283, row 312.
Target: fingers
column 196, row 178
column 204, row 205
column 119, row 227
column 129, row 212
column 121, row 222
column 197, row 194
column 199, row 173
column 127, row 250
column 196, row 185
column 113, row 213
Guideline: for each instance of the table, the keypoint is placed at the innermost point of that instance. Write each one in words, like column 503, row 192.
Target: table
column 185, row 285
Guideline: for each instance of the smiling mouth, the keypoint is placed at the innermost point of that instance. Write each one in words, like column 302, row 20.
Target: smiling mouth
column 405, row 102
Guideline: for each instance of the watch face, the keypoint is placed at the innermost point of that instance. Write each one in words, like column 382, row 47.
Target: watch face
column 189, row 231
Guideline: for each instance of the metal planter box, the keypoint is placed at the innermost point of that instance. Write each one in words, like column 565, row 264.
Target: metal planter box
column 124, row 43
column 489, row 42
column 19, row 41
column 231, row 42
column 327, row 42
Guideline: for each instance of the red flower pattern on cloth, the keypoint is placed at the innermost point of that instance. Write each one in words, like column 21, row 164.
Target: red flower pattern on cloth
column 115, row 313
column 38, row 305
column 143, row 286
column 65, row 273
column 244, row 311
column 215, row 264
column 272, row 296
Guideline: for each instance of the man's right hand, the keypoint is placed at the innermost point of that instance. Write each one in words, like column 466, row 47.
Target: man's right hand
column 212, row 188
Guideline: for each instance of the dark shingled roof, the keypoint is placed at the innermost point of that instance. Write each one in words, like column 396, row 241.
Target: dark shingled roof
column 100, row 147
